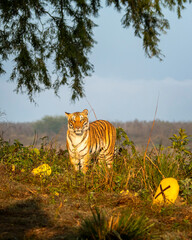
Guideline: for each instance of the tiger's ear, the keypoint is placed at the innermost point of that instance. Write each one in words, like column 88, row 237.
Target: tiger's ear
column 85, row 111
column 67, row 114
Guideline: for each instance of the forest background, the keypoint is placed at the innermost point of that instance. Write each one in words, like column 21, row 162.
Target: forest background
column 53, row 129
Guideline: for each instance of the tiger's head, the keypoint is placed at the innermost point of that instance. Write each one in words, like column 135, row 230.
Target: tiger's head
column 78, row 122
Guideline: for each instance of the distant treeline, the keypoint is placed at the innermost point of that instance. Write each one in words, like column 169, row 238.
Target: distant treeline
column 139, row 131
column 55, row 128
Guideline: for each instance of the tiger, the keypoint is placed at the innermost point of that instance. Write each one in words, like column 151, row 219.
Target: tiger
column 85, row 138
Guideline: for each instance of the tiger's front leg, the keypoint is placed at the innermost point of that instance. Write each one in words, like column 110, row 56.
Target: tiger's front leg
column 80, row 163
column 75, row 162
column 84, row 163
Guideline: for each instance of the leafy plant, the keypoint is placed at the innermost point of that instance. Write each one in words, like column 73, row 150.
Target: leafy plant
column 186, row 189
column 180, row 142
column 182, row 153
column 123, row 141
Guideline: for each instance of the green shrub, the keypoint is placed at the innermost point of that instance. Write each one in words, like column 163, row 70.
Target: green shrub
column 50, row 124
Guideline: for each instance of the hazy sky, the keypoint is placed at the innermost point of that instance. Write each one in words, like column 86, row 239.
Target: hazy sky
column 126, row 85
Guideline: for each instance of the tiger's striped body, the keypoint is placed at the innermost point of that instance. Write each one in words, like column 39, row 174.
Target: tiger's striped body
column 84, row 139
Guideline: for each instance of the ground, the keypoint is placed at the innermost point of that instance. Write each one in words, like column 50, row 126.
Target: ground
column 27, row 213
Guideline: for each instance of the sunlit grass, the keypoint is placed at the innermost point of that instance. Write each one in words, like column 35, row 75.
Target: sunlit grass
column 130, row 174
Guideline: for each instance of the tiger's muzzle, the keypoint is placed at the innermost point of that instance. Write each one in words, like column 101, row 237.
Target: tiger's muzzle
column 78, row 132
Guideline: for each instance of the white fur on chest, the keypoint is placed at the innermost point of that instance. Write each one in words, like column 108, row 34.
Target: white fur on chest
column 76, row 140
column 78, row 144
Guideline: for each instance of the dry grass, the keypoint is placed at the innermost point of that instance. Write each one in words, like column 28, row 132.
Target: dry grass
column 25, row 213
column 54, row 207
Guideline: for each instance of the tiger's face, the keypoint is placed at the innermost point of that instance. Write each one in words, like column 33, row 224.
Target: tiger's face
column 78, row 122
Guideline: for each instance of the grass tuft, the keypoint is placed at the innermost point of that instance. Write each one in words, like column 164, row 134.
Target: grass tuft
column 120, row 227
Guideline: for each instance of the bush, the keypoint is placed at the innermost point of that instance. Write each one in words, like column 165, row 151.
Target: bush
column 50, row 125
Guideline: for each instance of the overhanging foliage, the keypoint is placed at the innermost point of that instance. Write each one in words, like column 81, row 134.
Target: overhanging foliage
column 38, row 34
